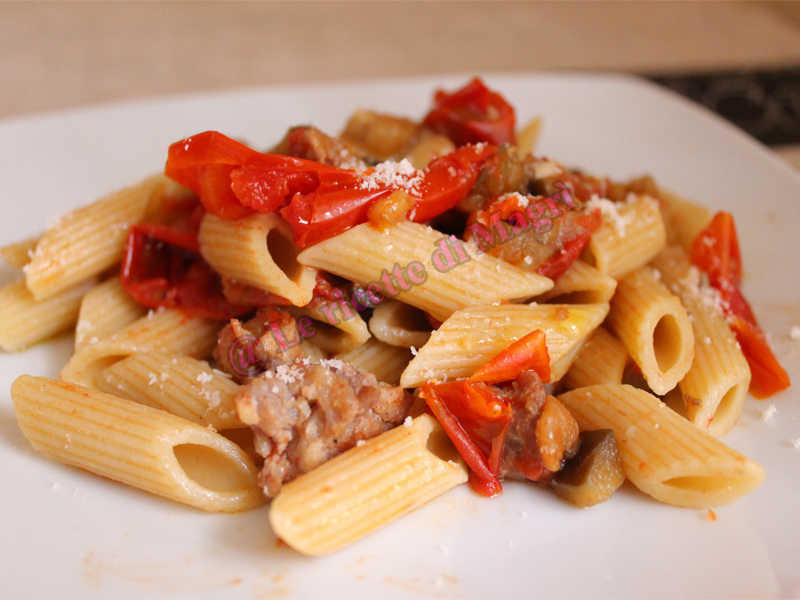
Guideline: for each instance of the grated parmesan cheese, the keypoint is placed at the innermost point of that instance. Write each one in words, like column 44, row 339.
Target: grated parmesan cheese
column 205, row 377
column 794, row 333
column 795, row 442
column 408, row 422
column 153, row 379
column 767, row 414
column 399, row 175
column 609, row 211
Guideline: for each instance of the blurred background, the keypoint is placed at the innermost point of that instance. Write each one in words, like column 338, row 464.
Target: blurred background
column 744, row 56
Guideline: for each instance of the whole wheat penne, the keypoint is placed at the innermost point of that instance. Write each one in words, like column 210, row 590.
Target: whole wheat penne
column 400, row 324
column 259, row 251
column 105, row 309
column 165, row 330
column 654, row 326
column 715, row 387
column 181, row 385
column 631, row 235
column 384, row 361
column 663, row 454
column 366, row 487
column 601, row 360
column 88, row 240
column 25, row 321
column 473, row 336
column 138, row 445
column 19, row 254
column 581, row 284
column 438, row 276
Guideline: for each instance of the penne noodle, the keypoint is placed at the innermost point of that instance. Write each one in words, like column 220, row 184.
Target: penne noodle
column 341, row 335
column 367, row 487
column 259, row 251
column 181, row 385
column 715, row 387
column 88, row 240
column 684, row 219
column 601, row 360
column 25, row 321
column 528, row 136
column 581, row 284
column 134, row 444
column 400, row 324
column 166, row 331
column 631, row 235
column 366, row 255
column 386, row 362
column 19, row 254
column 473, row 336
column 662, row 454
column 105, row 309
column 655, row 329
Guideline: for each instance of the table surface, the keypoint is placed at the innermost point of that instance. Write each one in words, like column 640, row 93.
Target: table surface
column 60, row 55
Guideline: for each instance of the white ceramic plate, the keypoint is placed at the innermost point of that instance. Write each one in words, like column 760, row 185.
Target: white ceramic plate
column 66, row 533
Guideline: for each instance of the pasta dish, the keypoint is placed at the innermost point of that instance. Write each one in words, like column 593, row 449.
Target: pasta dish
column 347, row 327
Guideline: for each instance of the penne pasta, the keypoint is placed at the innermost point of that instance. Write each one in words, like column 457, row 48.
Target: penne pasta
column 166, row 331
column 473, row 336
column 684, row 219
column 399, row 324
column 105, row 309
column 89, row 240
column 25, row 321
column 19, row 254
column 664, row 455
column 631, row 235
column 340, row 335
column 581, row 284
column 369, row 256
column 386, row 362
column 180, row 385
column 258, row 250
column 134, row 444
column 715, row 387
column 601, row 360
column 528, row 136
column 655, row 329
column 366, row 488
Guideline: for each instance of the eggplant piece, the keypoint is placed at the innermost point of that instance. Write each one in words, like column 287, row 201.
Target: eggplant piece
column 594, row 473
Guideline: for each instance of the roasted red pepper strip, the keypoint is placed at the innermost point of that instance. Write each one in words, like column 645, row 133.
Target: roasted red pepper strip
column 557, row 265
column 527, row 353
column 162, row 267
column 472, row 115
column 476, row 420
column 716, row 251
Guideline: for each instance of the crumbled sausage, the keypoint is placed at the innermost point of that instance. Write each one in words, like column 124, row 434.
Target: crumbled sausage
column 305, row 414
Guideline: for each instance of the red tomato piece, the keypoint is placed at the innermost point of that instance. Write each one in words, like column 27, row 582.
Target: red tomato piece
column 319, row 201
column 716, row 251
column 555, row 266
column 472, row 115
column 476, row 420
column 161, row 267
column 448, row 179
column 527, row 353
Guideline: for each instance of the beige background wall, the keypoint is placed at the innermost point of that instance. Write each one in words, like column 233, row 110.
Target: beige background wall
column 60, row 55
